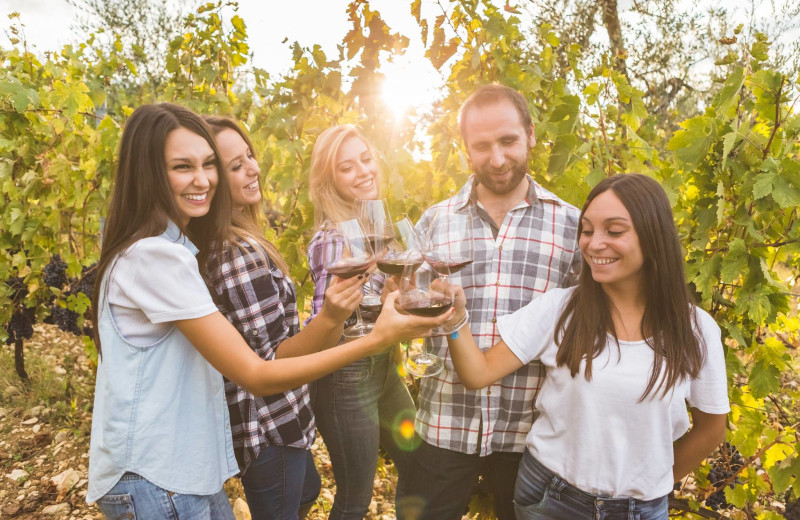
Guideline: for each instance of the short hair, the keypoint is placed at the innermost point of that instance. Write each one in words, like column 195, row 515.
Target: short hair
column 489, row 95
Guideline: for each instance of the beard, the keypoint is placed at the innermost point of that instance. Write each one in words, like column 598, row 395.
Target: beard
column 501, row 186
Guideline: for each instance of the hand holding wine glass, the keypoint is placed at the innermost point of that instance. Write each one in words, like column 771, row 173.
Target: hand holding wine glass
column 348, row 253
column 377, row 224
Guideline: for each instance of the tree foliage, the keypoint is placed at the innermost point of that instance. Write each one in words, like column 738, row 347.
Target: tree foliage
column 731, row 168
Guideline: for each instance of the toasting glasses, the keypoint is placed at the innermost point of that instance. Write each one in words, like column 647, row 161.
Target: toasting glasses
column 377, row 224
column 448, row 250
column 348, row 253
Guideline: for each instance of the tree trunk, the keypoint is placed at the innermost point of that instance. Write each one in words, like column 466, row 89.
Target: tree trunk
column 19, row 361
column 611, row 21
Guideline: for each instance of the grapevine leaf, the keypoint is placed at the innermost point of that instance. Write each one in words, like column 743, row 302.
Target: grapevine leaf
column 764, row 379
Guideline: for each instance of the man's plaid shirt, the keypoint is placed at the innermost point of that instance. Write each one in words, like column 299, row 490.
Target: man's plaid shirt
column 261, row 302
column 533, row 250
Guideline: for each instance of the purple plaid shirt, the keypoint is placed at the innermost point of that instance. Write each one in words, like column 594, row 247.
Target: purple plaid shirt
column 534, row 249
column 261, row 303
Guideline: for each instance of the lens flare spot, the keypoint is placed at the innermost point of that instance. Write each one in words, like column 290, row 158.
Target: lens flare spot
column 407, row 429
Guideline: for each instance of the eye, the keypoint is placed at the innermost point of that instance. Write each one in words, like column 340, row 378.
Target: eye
column 614, row 233
column 181, row 167
column 236, row 167
column 587, row 232
column 209, row 164
column 508, row 141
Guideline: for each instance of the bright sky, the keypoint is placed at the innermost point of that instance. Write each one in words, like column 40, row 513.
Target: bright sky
column 413, row 79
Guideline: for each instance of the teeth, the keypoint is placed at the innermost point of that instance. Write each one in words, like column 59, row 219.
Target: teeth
column 365, row 185
column 252, row 186
column 603, row 261
column 196, row 196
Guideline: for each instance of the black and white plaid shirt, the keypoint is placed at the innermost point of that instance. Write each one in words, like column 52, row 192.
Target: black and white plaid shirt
column 534, row 249
column 261, row 302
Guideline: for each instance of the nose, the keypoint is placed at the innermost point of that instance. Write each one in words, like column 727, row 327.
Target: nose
column 254, row 170
column 597, row 241
column 497, row 158
column 201, row 179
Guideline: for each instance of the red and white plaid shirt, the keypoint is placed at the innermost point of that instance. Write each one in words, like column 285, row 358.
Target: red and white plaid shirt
column 534, row 249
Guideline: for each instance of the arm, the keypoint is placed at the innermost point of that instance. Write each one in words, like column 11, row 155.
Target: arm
column 708, row 432
column 225, row 349
column 478, row 369
column 325, row 330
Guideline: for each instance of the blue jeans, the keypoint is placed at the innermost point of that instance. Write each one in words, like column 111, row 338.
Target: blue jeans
column 133, row 498
column 441, row 481
column 541, row 494
column 358, row 408
column 279, row 482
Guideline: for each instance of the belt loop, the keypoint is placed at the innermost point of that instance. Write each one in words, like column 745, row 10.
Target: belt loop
column 555, row 487
column 631, row 508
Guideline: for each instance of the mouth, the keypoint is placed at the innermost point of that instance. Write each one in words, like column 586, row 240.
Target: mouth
column 196, row 198
column 252, row 186
column 603, row 261
column 365, row 185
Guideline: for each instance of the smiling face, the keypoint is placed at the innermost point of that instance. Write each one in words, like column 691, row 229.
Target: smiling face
column 192, row 173
column 610, row 244
column 240, row 167
column 355, row 171
column 497, row 145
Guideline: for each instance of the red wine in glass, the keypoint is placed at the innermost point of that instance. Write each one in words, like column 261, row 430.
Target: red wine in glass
column 348, row 267
column 379, row 242
column 428, row 307
column 447, row 266
column 371, row 307
column 395, row 266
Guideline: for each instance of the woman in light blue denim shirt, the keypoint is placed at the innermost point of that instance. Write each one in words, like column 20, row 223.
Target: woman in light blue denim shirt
column 161, row 444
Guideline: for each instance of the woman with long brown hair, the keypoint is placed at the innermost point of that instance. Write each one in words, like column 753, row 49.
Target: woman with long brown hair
column 161, row 442
column 625, row 351
column 249, row 281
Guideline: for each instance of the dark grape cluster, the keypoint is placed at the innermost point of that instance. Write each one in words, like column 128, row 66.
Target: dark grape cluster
column 85, row 283
column 727, row 465
column 21, row 325
column 792, row 511
column 55, row 272
column 19, row 289
column 65, row 319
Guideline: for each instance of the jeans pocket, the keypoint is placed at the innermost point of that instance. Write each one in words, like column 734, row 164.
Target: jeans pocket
column 117, row 507
column 354, row 373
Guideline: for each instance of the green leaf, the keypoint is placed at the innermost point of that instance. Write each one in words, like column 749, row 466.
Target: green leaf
column 691, row 144
column 560, row 153
column 734, row 262
column 764, row 379
column 730, row 92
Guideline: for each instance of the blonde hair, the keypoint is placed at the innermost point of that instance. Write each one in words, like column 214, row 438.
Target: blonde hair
column 328, row 203
column 248, row 225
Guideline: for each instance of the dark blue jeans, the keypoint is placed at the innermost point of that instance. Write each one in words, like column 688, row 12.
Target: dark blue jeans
column 541, row 494
column 279, row 482
column 135, row 497
column 441, row 480
column 358, row 408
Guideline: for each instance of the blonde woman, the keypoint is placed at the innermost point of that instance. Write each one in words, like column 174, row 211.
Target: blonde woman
column 358, row 407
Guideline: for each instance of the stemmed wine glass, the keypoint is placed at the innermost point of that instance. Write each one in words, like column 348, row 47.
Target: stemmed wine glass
column 348, row 253
column 377, row 224
column 448, row 250
column 423, row 295
column 406, row 248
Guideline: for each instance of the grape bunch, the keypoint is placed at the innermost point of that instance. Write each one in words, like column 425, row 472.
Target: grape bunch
column 85, row 283
column 65, row 319
column 55, row 273
column 727, row 465
column 19, row 289
column 21, row 325
column 792, row 511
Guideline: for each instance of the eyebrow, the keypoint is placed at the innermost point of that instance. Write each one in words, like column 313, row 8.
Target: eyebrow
column 610, row 219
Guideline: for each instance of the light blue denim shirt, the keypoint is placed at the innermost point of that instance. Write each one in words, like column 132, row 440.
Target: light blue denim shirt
column 159, row 411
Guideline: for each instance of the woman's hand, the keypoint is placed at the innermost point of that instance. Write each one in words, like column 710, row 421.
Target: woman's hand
column 459, row 299
column 392, row 326
column 342, row 297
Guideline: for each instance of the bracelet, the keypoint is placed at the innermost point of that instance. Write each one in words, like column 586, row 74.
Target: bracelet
column 463, row 320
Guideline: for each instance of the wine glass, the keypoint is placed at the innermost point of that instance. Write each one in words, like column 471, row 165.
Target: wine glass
column 406, row 248
column 348, row 253
column 448, row 249
column 423, row 295
column 377, row 224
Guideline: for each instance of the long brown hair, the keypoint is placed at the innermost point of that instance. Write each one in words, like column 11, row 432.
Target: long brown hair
column 142, row 202
column 328, row 204
column 247, row 225
column 668, row 324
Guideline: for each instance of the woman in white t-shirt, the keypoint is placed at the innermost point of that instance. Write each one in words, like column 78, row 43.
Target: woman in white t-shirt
column 161, row 436
column 625, row 351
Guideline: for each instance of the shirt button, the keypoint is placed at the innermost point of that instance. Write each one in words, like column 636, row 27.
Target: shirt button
column 499, row 248
column 494, row 320
column 227, row 426
column 497, row 283
column 488, row 391
column 254, row 332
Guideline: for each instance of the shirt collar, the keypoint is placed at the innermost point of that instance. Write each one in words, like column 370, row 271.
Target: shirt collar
column 174, row 234
column 468, row 193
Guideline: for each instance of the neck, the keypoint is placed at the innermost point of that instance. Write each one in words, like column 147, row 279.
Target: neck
column 627, row 304
column 499, row 204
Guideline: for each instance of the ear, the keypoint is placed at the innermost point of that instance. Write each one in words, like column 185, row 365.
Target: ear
column 532, row 140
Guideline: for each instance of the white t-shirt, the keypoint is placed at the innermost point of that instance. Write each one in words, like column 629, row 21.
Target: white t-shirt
column 596, row 434
column 155, row 282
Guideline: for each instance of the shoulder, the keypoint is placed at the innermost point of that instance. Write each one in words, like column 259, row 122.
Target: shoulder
column 706, row 326
column 157, row 249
